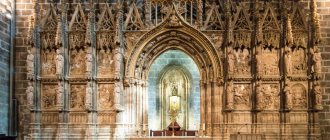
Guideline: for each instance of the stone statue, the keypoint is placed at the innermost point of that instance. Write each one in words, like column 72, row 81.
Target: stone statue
column 117, row 94
column 88, row 102
column 29, row 94
column 288, row 95
column 318, row 96
column 174, row 90
column 316, row 60
column 288, row 61
column 231, row 60
column 30, row 64
column 89, row 61
column 230, row 96
column 59, row 62
column 117, row 60
column 259, row 63
column 59, row 95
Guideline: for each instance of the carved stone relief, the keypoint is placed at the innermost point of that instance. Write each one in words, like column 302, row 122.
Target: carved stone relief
column 49, row 62
column 298, row 96
column 128, row 34
column 298, row 61
column 77, row 62
column 77, row 96
column 267, row 63
column 105, row 63
column 106, row 97
column 239, row 62
column 49, row 96
column 242, row 95
column 267, row 96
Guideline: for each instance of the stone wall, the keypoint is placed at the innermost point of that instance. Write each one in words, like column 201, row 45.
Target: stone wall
column 5, row 46
column 24, row 9
column 324, row 11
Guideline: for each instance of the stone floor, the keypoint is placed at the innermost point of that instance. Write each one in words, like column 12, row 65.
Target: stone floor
column 171, row 138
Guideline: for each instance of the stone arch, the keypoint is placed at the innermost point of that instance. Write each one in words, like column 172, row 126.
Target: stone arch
column 169, row 60
column 168, row 35
column 174, row 33
column 183, row 91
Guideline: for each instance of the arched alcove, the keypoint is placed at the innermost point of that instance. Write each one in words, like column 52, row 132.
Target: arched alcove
column 171, row 68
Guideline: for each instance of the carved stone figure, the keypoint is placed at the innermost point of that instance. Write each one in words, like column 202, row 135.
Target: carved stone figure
column 231, row 60
column 174, row 21
column 30, row 64
column 59, row 62
column 89, row 61
column 59, row 95
column 230, row 96
column 318, row 96
column 117, row 96
column 288, row 95
column 260, row 67
column 118, row 59
column 316, row 60
column 29, row 94
column 88, row 102
column 288, row 61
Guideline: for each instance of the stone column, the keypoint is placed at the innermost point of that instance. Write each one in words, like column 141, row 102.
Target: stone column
column 208, row 104
column 138, row 107
column 202, row 107
column 147, row 12
column 217, row 107
column 145, row 107
column 199, row 13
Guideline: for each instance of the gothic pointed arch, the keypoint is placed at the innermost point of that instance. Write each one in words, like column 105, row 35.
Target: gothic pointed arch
column 173, row 33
